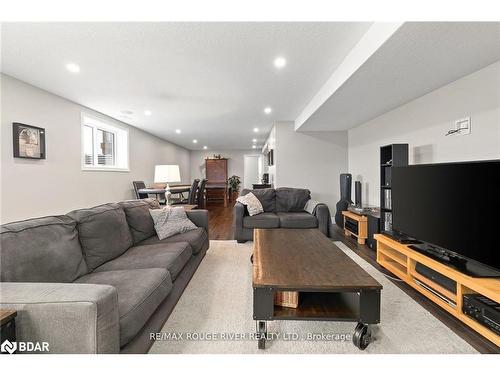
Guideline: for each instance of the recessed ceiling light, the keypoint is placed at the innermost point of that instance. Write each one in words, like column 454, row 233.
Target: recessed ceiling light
column 178, row 131
column 195, row 141
column 268, row 110
column 254, row 146
column 147, row 113
column 255, row 130
column 279, row 62
column 254, row 140
column 205, row 147
column 73, row 68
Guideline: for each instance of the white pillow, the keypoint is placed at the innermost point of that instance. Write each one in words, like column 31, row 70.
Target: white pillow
column 171, row 220
column 253, row 204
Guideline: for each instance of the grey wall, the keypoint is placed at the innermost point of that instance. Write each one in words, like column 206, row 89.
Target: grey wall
column 422, row 123
column 56, row 185
column 235, row 164
column 311, row 160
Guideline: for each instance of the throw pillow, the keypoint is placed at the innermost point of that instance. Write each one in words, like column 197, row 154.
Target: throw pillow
column 171, row 220
column 253, row 204
column 311, row 206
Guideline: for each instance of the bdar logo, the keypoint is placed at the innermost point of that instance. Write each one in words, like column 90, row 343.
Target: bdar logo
column 9, row 347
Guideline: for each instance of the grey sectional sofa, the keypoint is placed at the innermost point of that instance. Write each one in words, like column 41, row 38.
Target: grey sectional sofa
column 283, row 208
column 96, row 280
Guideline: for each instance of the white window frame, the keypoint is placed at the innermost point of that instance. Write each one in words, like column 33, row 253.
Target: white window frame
column 121, row 135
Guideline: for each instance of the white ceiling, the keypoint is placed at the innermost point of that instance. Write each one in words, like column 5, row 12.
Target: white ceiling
column 211, row 80
column 416, row 59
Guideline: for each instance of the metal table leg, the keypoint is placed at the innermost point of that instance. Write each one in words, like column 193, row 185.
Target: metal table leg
column 369, row 303
column 262, row 333
column 263, row 309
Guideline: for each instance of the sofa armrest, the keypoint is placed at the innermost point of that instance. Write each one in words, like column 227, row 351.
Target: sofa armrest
column 71, row 318
column 322, row 213
column 199, row 218
column 239, row 213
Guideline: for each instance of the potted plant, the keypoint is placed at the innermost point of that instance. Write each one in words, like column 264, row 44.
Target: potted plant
column 234, row 183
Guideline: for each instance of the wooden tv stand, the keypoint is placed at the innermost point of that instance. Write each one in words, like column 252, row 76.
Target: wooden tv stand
column 400, row 260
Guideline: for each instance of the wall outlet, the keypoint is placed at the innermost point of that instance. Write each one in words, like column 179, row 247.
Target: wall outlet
column 462, row 126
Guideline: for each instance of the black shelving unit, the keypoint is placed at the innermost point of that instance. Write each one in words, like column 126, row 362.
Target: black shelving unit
column 395, row 155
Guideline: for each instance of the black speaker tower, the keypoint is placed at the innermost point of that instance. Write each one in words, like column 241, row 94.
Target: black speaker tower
column 345, row 198
column 357, row 193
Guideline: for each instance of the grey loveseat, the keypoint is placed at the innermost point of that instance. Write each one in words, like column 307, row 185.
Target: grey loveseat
column 283, row 208
column 96, row 280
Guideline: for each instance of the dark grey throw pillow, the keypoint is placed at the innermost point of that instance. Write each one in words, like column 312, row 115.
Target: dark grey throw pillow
column 138, row 217
column 104, row 233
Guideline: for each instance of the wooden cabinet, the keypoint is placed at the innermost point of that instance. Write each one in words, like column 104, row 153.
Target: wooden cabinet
column 216, row 171
column 216, row 175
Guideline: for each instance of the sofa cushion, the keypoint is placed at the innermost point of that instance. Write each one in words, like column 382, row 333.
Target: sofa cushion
column 140, row 292
column 302, row 220
column 267, row 198
column 138, row 218
column 263, row 220
column 171, row 256
column 41, row 250
column 104, row 233
column 197, row 238
column 291, row 199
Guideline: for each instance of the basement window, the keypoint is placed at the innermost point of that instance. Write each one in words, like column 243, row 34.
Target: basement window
column 104, row 145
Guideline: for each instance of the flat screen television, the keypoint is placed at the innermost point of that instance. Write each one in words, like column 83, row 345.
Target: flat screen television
column 454, row 210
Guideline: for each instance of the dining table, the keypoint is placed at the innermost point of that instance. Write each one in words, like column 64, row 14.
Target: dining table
column 174, row 189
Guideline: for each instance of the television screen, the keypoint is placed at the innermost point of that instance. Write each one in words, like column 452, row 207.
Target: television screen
column 454, row 206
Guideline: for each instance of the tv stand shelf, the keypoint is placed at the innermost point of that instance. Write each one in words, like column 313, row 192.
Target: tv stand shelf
column 356, row 225
column 400, row 260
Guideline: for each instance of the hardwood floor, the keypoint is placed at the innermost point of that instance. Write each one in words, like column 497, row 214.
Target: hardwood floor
column 221, row 228
column 220, row 221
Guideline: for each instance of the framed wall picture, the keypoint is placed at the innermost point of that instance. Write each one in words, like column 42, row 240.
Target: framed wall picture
column 29, row 141
column 270, row 157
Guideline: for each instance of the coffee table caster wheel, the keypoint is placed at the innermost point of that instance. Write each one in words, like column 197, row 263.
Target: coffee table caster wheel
column 262, row 331
column 362, row 336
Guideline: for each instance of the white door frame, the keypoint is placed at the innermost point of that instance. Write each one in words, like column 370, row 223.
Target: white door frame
column 260, row 166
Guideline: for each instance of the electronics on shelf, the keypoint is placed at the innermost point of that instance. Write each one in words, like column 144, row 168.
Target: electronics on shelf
column 436, row 277
column 401, row 238
column 351, row 225
column 362, row 210
column 483, row 310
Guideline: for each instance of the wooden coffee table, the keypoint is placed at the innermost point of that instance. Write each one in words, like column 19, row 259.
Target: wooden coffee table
column 331, row 285
column 8, row 325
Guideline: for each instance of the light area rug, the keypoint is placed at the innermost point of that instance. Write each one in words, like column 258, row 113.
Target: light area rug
column 214, row 315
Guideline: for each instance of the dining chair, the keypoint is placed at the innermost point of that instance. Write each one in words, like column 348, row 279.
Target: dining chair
column 139, row 185
column 201, row 194
column 193, row 191
column 191, row 199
